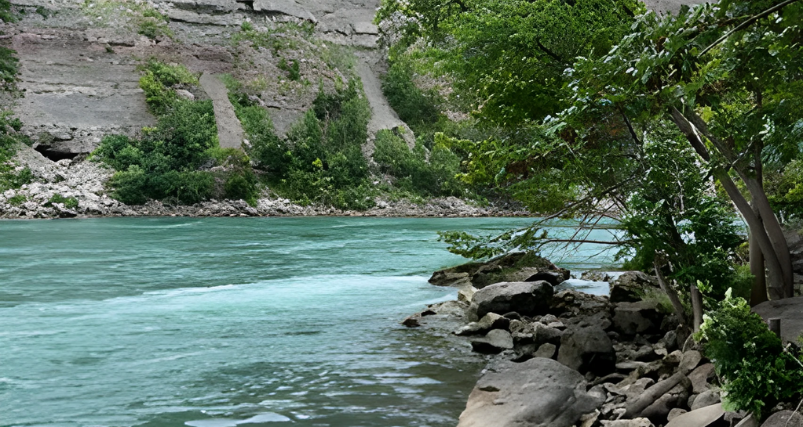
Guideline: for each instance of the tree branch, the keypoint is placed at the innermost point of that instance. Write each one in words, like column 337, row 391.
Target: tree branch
column 550, row 53
column 746, row 24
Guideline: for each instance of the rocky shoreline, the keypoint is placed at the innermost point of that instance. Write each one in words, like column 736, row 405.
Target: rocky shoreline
column 559, row 357
column 79, row 190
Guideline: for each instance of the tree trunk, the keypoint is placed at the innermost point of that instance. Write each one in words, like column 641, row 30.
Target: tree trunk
column 755, row 186
column 774, row 269
column 759, row 292
column 697, row 308
column 774, row 232
column 670, row 292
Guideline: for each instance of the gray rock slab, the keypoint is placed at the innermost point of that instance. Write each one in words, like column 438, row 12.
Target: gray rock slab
column 789, row 310
column 538, row 392
column 705, row 399
column 72, row 86
column 699, row 418
column 229, row 130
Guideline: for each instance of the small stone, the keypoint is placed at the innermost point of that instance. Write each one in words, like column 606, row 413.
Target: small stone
column 411, row 322
column 546, row 350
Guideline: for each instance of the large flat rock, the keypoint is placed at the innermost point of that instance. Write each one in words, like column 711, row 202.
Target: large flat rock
column 537, row 393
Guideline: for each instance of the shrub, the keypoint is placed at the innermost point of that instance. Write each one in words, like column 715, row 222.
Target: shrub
column 293, row 70
column 68, row 202
column 414, row 106
column 17, row 200
column 436, row 177
column 159, row 79
column 756, row 371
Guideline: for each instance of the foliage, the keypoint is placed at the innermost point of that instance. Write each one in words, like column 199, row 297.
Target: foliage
column 163, row 164
column 785, row 188
column 413, row 172
column 510, row 55
column 414, row 106
column 159, row 79
column 278, row 38
column 153, row 28
column 320, row 160
column 5, row 12
column 17, row 200
column 68, row 202
column 675, row 214
column 756, row 370
column 167, row 162
column 292, row 69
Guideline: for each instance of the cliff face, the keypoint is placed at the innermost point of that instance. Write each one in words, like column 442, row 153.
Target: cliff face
column 78, row 59
column 671, row 6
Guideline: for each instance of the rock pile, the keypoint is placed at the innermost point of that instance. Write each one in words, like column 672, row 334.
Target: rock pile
column 564, row 358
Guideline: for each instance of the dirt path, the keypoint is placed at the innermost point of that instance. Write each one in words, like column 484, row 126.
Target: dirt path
column 229, row 130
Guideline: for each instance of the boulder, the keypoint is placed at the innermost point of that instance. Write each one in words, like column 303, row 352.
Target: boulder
column 412, row 321
column 700, row 418
column 674, row 413
column 525, row 298
column 630, row 286
column 546, row 350
column 789, row 310
column 658, row 411
column 488, row 322
column 494, row 342
column 631, row 318
column 546, row 334
column 701, row 376
column 705, row 399
column 595, row 276
column 512, row 267
column 587, row 349
column 538, row 392
column 466, row 294
column 784, row 419
column 554, row 278
column 690, row 360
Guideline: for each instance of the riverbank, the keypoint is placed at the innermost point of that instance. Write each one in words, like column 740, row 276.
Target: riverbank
column 76, row 188
column 561, row 357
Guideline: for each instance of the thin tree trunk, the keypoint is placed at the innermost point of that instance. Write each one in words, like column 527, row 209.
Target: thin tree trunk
column 697, row 308
column 670, row 292
column 759, row 292
column 775, row 272
column 756, row 188
column 774, row 232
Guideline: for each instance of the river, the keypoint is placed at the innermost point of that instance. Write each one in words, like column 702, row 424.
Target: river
column 219, row 322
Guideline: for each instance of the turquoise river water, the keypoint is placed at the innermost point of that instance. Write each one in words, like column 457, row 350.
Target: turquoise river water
column 222, row 322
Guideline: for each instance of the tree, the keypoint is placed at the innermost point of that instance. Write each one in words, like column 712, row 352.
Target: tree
column 722, row 79
column 509, row 56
